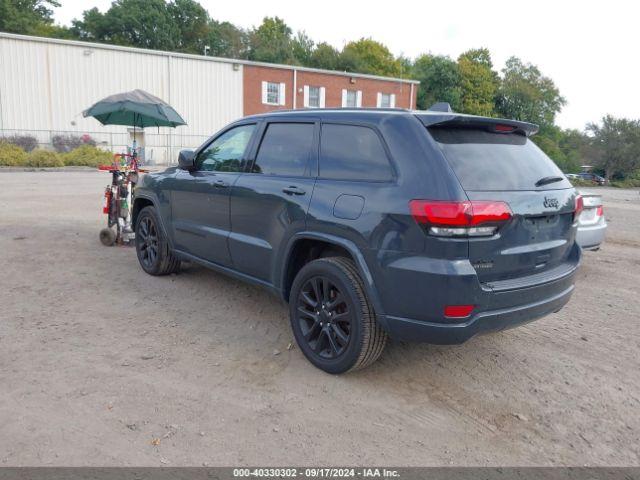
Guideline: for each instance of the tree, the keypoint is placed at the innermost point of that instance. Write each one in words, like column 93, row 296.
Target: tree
column 525, row 94
column 617, row 143
column 302, row 49
column 193, row 24
column 26, row 16
column 227, row 40
column 478, row 82
column 271, row 42
column 138, row 23
column 324, row 56
column 368, row 56
column 439, row 81
column 93, row 27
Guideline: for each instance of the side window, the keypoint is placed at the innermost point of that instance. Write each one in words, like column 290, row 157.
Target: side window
column 225, row 153
column 350, row 152
column 285, row 149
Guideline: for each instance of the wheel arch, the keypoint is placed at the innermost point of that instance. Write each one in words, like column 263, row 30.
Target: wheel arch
column 149, row 200
column 288, row 269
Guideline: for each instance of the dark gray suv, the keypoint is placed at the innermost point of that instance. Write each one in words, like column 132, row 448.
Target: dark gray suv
column 421, row 226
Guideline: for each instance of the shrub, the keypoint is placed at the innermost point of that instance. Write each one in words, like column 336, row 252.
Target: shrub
column 11, row 155
column 88, row 156
column 26, row 142
column 67, row 143
column 627, row 183
column 44, row 158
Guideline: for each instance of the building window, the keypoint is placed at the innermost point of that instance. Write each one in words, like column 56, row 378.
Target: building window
column 351, row 98
column 386, row 100
column 273, row 93
column 314, row 97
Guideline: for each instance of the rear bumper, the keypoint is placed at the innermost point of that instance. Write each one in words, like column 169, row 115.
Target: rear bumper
column 499, row 306
column 408, row 330
column 592, row 236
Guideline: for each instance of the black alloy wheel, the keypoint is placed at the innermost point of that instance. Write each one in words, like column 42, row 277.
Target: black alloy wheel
column 154, row 253
column 324, row 317
column 333, row 322
column 147, row 242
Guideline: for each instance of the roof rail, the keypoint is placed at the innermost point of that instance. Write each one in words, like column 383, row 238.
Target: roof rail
column 441, row 107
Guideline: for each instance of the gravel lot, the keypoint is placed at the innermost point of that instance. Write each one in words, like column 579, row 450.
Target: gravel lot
column 101, row 364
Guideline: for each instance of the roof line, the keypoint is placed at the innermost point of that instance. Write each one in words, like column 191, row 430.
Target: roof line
column 106, row 46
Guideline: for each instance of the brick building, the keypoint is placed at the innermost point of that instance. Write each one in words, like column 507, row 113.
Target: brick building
column 272, row 87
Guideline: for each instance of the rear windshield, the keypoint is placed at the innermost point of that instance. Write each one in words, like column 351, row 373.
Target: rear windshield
column 496, row 161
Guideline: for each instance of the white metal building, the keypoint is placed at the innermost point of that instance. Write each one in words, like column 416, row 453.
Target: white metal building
column 45, row 84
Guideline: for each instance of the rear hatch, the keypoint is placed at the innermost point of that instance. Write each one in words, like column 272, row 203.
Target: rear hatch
column 499, row 163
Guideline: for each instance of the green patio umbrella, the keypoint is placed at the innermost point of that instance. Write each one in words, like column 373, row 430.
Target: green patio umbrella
column 134, row 109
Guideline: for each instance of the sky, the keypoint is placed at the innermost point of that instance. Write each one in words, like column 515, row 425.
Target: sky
column 591, row 49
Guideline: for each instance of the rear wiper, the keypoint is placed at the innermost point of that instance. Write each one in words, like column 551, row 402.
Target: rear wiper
column 548, row 180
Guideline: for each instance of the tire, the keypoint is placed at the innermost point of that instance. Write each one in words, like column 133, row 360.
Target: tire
column 107, row 237
column 152, row 247
column 332, row 320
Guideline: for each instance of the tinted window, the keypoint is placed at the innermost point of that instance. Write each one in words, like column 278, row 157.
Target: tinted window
column 225, row 153
column 492, row 161
column 285, row 149
column 350, row 152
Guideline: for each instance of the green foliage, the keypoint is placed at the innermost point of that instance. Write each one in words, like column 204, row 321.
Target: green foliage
column 88, row 156
column 11, row 155
column 631, row 181
column 140, row 23
column 302, row 48
column 43, row 158
column 226, row 40
column 193, row 25
column 439, row 81
column 368, row 56
column 478, row 82
column 271, row 42
column 324, row 56
column 525, row 94
column 616, row 145
column 25, row 16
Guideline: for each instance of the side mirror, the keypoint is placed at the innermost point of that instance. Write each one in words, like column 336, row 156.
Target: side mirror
column 186, row 160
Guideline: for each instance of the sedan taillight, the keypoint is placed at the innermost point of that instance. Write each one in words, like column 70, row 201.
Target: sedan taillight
column 579, row 206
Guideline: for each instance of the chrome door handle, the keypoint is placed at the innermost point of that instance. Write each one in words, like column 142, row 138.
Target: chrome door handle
column 293, row 190
column 220, row 184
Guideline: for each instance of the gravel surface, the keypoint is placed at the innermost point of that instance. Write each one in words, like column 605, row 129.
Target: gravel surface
column 101, row 364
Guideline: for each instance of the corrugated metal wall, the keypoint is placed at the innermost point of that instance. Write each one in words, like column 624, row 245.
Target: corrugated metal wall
column 45, row 86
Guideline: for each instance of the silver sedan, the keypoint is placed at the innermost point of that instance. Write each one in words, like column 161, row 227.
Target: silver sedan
column 591, row 223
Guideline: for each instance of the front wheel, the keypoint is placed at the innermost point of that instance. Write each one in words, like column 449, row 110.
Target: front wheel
column 152, row 246
column 331, row 317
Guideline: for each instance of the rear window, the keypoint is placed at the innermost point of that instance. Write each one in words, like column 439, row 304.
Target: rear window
column 493, row 161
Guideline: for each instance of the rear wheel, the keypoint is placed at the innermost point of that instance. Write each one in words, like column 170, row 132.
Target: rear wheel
column 152, row 247
column 331, row 317
column 107, row 237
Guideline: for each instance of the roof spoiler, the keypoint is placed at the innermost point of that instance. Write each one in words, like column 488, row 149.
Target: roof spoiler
column 432, row 118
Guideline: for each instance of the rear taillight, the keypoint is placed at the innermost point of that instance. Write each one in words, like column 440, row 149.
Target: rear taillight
column 473, row 218
column 504, row 128
column 599, row 211
column 579, row 206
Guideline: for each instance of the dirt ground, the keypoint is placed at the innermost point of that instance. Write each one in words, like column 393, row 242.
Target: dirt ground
column 101, row 364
